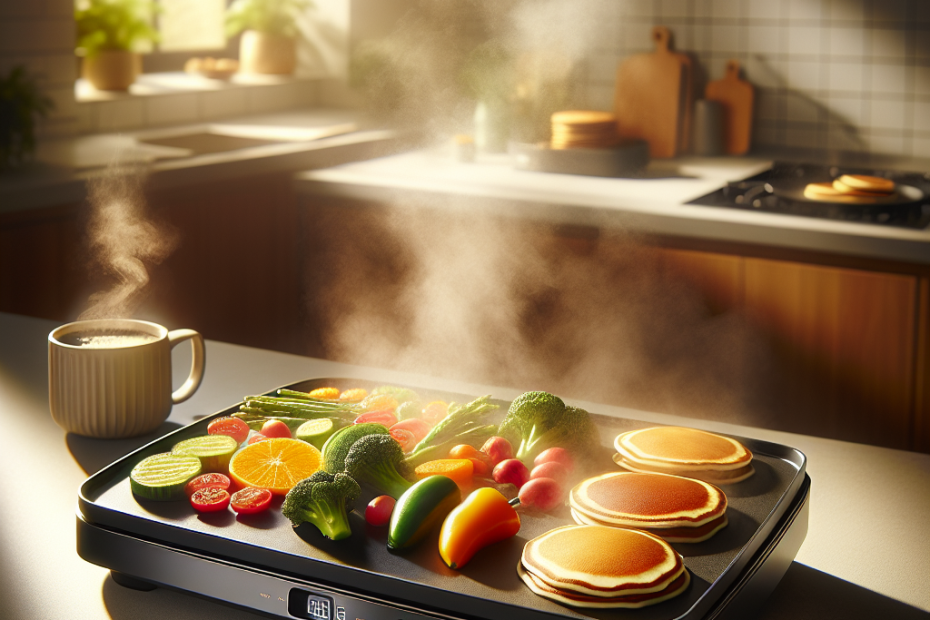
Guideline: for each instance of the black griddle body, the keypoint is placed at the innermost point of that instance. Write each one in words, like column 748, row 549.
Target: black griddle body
column 266, row 566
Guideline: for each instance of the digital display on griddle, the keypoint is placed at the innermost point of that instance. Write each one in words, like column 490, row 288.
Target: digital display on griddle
column 310, row 606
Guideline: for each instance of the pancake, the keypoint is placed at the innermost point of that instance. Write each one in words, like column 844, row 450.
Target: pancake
column 634, row 601
column 602, row 561
column 868, row 183
column 684, row 452
column 847, row 190
column 670, row 534
column 677, row 509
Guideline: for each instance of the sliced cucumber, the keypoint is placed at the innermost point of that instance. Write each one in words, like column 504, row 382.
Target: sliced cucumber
column 161, row 477
column 316, row 432
column 214, row 451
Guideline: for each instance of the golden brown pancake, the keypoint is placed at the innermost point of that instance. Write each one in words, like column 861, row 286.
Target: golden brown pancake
column 846, row 190
column 684, row 452
column 673, row 507
column 868, row 183
column 601, row 561
column 632, row 601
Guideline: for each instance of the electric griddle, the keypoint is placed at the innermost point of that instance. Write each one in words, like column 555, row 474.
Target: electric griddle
column 260, row 562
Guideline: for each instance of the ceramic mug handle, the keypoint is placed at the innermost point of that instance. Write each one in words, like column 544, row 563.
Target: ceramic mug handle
column 190, row 386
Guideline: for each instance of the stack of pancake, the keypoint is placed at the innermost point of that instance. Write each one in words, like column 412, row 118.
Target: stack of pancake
column 601, row 567
column 684, row 452
column 853, row 188
column 590, row 129
column 675, row 508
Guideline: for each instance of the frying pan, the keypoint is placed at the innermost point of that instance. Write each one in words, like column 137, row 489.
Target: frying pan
column 793, row 189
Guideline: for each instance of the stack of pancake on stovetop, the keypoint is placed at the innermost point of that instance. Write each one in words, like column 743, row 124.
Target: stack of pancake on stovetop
column 619, row 554
column 852, row 188
column 597, row 566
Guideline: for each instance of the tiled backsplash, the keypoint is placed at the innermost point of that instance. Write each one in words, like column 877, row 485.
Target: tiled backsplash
column 851, row 75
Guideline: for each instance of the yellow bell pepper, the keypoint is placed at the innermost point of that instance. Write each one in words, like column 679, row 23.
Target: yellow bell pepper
column 485, row 517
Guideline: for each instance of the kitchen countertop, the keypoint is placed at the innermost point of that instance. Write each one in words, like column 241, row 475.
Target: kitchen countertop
column 62, row 167
column 654, row 205
column 866, row 555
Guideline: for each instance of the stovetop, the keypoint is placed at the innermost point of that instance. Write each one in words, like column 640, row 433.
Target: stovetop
column 759, row 193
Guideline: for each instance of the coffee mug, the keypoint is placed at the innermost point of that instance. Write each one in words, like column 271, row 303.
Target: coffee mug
column 111, row 378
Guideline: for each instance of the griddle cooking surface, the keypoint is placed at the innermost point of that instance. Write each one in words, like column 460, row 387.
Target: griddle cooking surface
column 487, row 587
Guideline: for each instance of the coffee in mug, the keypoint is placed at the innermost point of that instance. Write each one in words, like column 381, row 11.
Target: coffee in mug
column 111, row 378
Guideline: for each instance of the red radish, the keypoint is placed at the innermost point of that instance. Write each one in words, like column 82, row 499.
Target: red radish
column 557, row 455
column 209, row 499
column 250, row 500
column 256, row 437
column 378, row 512
column 552, row 469
column 234, row 427
column 405, row 438
column 383, row 417
column 276, row 429
column 498, row 449
column 541, row 493
column 512, row 471
column 419, row 428
column 203, row 481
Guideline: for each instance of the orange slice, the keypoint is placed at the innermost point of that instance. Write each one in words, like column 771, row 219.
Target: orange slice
column 275, row 464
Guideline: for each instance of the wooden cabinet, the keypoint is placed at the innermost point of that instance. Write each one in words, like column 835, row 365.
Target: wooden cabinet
column 847, row 346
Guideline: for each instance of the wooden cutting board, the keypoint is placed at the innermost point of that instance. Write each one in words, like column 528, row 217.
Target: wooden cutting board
column 736, row 97
column 649, row 97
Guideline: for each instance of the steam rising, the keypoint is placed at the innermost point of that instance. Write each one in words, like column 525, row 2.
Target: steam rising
column 124, row 241
column 439, row 289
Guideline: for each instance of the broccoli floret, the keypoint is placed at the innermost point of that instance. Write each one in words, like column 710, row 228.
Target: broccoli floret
column 378, row 461
column 538, row 420
column 324, row 500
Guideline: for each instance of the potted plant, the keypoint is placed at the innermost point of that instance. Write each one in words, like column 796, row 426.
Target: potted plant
column 21, row 104
column 108, row 35
column 269, row 34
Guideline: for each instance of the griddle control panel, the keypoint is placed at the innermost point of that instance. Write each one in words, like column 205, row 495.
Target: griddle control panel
column 325, row 604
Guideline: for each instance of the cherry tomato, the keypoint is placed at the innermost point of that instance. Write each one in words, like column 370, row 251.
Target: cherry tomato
column 405, row 438
column 276, row 428
column 210, row 499
column 255, row 438
column 234, row 427
column 378, row 512
column 385, row 417
column 250, row 500
column 204, row 481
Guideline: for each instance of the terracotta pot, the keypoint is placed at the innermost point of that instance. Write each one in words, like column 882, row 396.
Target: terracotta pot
column 112, row 69
column 260, row 52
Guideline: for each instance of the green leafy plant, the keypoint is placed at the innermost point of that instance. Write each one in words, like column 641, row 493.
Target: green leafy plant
column 278, row 17
column 21, row 104
column 104, row 25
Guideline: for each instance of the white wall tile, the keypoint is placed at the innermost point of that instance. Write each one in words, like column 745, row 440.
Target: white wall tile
column 638, row 8
column 920, row 147
column 676, row 8
column 770, row 105
column 888, row 43
column 762, row 9
column 801, row 108
column 637, row 37
column 922, row 80
column 766, row 73
column 890, row 144
column 921, row 116
column 726, row 9
column 725, row 39
column 804, row 75
column 804, row 136
column 804, row 40
column 887, row 79
column 171, row 110
column 845, row 76
column 887, row 114
column 889, row 11
column 845, row 41
column 804, row 9
column 763, row 39
column 853, row 10
column 846, row 110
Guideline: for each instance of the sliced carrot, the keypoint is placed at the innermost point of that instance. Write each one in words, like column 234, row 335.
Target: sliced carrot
column 459, row 470
column 325, row 393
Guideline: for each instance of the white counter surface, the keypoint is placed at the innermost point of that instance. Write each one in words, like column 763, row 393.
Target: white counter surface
column 651, row 205
column 866, row 555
